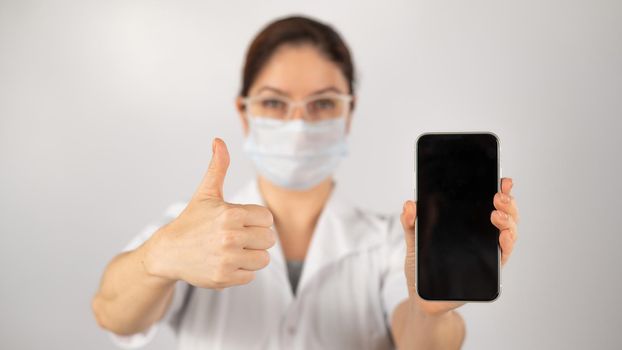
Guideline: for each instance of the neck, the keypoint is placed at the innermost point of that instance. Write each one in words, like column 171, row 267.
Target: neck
column 295, row 211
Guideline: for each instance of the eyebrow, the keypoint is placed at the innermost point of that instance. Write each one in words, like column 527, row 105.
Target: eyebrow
column 317, row 92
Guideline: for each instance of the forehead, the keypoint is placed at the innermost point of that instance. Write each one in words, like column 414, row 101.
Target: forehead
column 299, row 70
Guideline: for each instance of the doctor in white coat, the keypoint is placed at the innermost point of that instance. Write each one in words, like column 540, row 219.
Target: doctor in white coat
column 287, row 262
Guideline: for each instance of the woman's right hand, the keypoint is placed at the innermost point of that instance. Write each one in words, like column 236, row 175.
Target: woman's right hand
column 212, row 243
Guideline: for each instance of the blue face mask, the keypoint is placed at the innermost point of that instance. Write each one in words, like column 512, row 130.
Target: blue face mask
column 296, row 154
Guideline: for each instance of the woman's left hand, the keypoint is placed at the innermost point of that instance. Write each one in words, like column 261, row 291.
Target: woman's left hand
column 505, row 218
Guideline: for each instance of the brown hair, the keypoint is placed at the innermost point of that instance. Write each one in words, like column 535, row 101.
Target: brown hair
column 296, row 30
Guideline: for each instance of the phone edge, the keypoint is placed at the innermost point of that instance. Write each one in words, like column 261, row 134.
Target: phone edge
column 416, row 198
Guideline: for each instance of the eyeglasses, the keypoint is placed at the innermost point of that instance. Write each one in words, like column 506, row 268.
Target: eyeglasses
column 316, row 108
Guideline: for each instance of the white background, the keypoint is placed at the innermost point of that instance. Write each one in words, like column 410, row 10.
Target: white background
column 108, row 108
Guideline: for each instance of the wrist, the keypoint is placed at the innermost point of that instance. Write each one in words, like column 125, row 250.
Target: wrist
column 153, row 259
column 441, row 329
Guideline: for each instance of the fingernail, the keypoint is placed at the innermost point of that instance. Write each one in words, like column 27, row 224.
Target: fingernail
column 213, row 145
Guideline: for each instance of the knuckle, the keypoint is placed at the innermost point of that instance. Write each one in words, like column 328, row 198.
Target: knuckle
column 226, row 262
column 249, row 277
column 271, row 238
column 266, row 235
column 233, row 213
column 269, row 217
column 509, row 240
column 230, row 239
column 508, row 246
column 497, row 198
column 505, row 234
column 208, row 283
column 220, row 278
column 216, row 283
column 264, row 258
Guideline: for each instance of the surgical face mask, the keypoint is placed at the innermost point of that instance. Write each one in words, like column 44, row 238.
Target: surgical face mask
column 296, row 154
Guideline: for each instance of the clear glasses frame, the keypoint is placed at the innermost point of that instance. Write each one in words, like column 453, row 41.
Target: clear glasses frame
column 315, row 107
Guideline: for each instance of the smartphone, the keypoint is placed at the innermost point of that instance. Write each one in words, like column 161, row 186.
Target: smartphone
column 457, row 246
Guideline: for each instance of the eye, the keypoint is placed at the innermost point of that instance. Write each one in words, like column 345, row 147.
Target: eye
column 273, row 103
column 324, row 104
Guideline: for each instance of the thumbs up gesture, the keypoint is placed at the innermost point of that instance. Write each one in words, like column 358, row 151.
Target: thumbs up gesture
column 212, row 244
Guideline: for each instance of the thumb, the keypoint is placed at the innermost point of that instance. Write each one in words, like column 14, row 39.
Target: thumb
column 409, row 214
column 212, row 183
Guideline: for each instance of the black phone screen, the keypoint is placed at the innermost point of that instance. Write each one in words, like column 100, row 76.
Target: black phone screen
column 457, row 244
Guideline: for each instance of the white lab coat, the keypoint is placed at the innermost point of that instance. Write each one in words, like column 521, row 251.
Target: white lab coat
column 351, row 282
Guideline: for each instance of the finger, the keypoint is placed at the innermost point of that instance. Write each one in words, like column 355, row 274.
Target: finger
column 506, row 203
column 506, row 242
column 506, row 185
column 502, row 220
column 256, row 237
column 257, row 215
column 253, row 260
column 240, row 276
column 407, row 218
column 212, row 183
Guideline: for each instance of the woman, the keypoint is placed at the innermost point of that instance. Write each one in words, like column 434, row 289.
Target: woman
column 287, row 262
